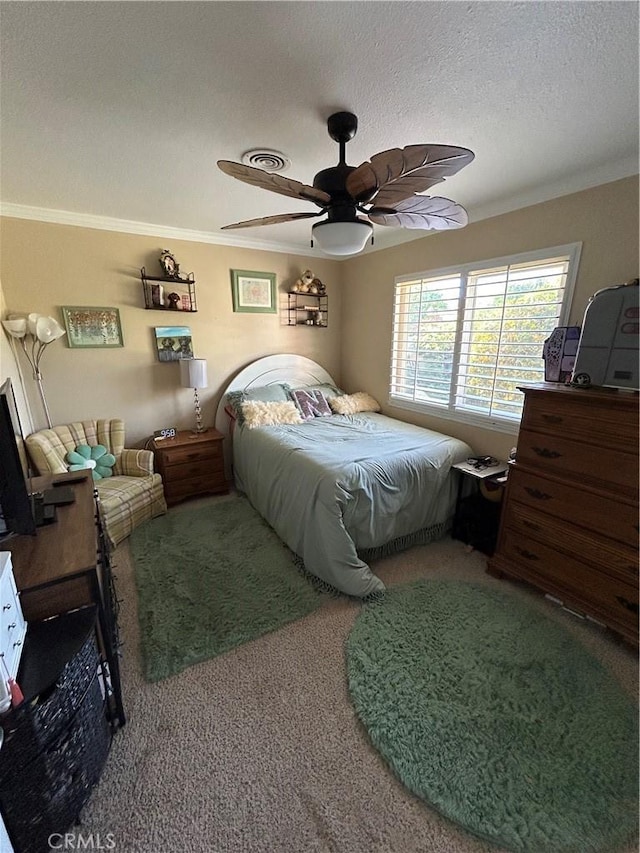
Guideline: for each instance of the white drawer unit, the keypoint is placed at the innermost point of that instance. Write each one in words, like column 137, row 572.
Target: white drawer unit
column 12, row 625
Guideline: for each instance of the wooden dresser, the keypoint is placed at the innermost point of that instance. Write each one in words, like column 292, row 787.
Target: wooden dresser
column 190, row 464
column 570, row 517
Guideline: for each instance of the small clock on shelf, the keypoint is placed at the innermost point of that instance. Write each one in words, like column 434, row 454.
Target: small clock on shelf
column 165, row 432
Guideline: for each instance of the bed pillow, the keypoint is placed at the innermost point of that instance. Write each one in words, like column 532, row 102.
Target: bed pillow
column 325, row 388
column 350, row 404
column 311, row 403
column 277, row 392
column 257, row 413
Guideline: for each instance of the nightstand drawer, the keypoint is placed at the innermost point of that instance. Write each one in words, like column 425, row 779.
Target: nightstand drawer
column 188, row 470
column 202, row 485
column 194, row 453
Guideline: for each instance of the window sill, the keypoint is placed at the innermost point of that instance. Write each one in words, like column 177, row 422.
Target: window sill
column 482, row 421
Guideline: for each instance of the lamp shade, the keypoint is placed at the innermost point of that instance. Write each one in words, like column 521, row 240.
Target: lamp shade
column 16, row 327
column 193, row 372
column 342, row 238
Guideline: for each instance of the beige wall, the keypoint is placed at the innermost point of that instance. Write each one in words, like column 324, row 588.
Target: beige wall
column 45, row 266
column 603, row 219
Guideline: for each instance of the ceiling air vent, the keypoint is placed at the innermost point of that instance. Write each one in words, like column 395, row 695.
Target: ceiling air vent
column 264, row 158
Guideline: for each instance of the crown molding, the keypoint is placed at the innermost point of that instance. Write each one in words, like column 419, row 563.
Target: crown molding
column 537, row 195
column 146, row 229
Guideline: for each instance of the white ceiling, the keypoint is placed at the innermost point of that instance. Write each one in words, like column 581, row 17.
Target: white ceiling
column 120, row 110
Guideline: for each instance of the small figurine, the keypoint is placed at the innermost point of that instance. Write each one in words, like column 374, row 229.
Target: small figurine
column 170, row 267
column 173, row 299
column 303, row 284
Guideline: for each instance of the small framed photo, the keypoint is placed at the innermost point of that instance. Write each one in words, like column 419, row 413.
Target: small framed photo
column 92, row 327
column 173, row 342
column 254, row 292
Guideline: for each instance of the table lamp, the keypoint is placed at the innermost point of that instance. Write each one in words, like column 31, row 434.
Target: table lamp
column 193, row 374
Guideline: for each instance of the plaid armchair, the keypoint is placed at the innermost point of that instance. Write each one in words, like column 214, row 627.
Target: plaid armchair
column 132, row 495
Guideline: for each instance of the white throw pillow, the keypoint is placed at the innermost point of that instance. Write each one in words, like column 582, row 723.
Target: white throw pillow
column 351, row 404
column 257, row 413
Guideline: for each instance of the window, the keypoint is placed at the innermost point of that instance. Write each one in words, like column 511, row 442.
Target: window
column 464, row 338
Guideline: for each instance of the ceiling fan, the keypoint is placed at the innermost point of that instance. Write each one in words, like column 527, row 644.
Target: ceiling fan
column 385, row 189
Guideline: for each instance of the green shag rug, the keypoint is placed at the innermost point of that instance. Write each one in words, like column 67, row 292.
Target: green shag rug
column 209, row 579
column 497, row 717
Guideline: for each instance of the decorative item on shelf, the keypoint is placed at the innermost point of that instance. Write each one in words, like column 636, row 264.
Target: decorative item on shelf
column 34, row 332
column 173, row 300
column 173, row 343
column 170, row 267
column 193, row 374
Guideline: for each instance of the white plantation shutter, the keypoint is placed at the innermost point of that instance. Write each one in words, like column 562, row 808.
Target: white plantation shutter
column 464, row 339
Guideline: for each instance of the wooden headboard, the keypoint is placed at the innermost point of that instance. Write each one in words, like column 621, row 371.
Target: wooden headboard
column 294, row 369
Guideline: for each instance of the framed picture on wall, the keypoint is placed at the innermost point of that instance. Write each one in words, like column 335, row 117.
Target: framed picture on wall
column 173, row 342
column 254, row 292
column 88, row 326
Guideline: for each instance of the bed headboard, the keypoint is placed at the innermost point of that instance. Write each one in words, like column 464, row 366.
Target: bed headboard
column 287, row 367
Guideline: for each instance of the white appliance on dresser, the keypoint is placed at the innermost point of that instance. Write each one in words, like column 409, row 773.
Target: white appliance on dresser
column 12, row 625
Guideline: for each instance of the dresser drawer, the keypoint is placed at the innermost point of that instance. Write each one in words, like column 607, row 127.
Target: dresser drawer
column 188, row 470
column 604, row 467
column 602, row 594
column 611, row 518
column 612, row 423
column 613, row 557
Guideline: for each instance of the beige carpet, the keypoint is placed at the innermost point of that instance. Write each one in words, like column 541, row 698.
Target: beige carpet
column 260, row 749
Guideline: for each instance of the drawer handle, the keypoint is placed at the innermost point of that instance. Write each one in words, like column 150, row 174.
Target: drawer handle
column 546, row 453
column 630, row 605
column 528, row 555
column 530, row 525
column 537, row 494
column 17, row 643
column 11, row 626
column 6, row 607
column 552, row 419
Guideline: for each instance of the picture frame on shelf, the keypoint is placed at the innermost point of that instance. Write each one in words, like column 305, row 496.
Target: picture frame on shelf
column 92, row 326
column 173, row 342
column 254, row 292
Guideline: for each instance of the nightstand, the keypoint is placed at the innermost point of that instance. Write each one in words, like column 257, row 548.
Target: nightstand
column 478, row 506
column 190, row 464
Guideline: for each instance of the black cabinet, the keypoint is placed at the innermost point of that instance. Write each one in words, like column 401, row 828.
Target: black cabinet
column 56, row 742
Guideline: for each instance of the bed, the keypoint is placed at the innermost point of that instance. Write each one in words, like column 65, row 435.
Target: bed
column 343, row 488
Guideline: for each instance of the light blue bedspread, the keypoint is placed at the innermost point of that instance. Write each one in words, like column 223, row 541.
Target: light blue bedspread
column 336, row 485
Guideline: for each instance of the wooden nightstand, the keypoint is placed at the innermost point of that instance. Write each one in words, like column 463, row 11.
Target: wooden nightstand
column 190, row 464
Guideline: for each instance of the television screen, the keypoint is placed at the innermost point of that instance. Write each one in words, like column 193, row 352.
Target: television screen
column 16, row 512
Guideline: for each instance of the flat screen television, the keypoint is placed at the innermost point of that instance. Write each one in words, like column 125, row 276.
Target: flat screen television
column 16, row 506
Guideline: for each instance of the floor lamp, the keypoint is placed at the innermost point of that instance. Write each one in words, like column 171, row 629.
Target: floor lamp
column 193, row 374
column 35, row 332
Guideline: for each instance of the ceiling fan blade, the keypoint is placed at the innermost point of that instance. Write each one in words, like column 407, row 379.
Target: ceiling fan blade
column 426, row 212
column 401, row 172
column 272, row 220
column 275, row 183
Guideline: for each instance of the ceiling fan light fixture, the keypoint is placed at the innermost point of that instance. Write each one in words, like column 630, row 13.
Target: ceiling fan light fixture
column 342, row 238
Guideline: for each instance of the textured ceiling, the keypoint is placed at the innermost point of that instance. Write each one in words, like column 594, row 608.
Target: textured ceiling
column 120, row 110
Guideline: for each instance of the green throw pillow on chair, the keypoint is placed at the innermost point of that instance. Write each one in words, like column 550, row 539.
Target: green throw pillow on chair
column 97, row 458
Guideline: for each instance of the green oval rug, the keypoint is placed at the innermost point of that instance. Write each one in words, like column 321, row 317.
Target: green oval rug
column 497, row 717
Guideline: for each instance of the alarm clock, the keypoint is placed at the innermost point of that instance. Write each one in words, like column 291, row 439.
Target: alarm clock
column 166, row 432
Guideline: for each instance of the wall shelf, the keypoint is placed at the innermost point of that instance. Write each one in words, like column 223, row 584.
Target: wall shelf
column 157, row 290
column 308, row 309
